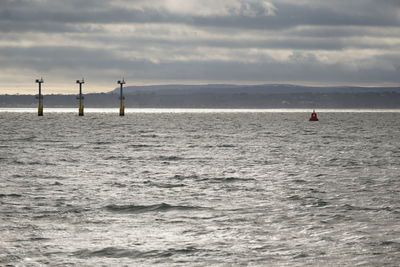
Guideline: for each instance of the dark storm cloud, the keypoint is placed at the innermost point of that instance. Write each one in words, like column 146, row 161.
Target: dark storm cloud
column 352, row 41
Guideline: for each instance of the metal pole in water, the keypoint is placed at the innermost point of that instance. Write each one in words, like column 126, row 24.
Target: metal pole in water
column 80, row 97
column 122, row 99
column 40, row 97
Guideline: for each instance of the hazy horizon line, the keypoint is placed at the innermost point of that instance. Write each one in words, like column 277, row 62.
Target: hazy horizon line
column 201, row 110
column 216, row 84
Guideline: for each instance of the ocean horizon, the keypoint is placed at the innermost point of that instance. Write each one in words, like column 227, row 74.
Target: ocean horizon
column 200, row 110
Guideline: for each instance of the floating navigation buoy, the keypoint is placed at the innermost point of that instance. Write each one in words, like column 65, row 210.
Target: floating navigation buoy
column 314, row 116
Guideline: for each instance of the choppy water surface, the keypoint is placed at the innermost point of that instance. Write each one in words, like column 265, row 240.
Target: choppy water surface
column 200, row 189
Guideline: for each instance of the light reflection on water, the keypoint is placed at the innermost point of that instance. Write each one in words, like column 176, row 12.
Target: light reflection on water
column 199, row 188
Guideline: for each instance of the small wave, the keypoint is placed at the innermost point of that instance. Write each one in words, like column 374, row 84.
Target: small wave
column 300, row 256
column 41, row 216
column 74, row 210
column 170, row 158
column 170, row 185
column 49, row 141
column 19, row 162
column 183, row 177
column 31, row 163
column 146, row 131
column 226, row 145
column 309, row 201
column 213, row 180
column 316, row 191
column 120, row 185
column 299, row 181
column 10, row 195
column 139, row 145
column 163, row 207
column 390, row 244
column 332, row 137
column 38, row 239
column 351, row 207
column 320, row 203
column 70, row 160
column 149, row 135
column 102, row 143
column 164, row 185
column 228, row 180
column 63, row 212
column 111, row 157
column 119, row 157
column 74, row 146
column 295, row 197
column 29, row 138
column 113, row 252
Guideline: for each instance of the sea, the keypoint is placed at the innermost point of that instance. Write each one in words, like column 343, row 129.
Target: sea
column 199, row 187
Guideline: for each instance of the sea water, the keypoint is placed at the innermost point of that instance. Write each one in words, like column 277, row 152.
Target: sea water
column 199, row 187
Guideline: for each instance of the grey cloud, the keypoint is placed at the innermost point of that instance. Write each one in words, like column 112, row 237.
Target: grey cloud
column 292, row 15
column 18, row 26
column 300, row 67
column 338, row 32
column 287, row 15
column 284, row 41
column 78, row 36
column 297, row 70
column 44, row 58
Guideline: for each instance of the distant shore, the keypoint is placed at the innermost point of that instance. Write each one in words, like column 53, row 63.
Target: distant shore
column 223, row 96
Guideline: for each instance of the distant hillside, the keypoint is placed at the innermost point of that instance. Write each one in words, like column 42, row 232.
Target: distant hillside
column 248, row 89
column 225, row 96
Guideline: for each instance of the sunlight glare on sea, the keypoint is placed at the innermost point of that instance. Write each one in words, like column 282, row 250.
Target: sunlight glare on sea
column 180, row 187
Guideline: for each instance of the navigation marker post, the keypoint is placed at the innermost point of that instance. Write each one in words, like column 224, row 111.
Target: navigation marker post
column 121, row 98
column 80, row 97
column 40, row 97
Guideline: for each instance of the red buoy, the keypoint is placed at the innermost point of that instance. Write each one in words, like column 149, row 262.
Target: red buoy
column 314, row 116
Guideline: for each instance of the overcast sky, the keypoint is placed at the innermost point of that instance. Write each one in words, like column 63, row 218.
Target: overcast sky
column 317, row 42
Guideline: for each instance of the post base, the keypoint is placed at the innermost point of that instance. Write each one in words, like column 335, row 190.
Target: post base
column 40, row 111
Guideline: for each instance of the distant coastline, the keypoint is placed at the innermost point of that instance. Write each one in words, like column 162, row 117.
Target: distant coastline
column 224, row 96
